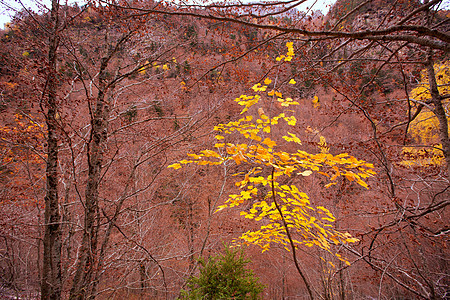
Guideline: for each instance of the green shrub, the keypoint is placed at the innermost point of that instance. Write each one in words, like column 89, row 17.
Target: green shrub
column 224, row 277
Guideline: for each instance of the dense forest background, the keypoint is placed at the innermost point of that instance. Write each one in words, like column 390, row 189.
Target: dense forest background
column 98, row 100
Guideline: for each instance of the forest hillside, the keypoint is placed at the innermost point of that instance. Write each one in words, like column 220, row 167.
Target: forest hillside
column 144, row 144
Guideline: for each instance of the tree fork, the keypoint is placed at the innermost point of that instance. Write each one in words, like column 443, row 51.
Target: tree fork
column 86, row 278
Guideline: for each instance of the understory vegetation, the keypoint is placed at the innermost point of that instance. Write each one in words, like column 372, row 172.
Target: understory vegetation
column 137, row 138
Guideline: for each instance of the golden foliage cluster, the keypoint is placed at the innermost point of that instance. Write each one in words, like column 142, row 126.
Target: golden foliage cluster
column 268, row 164
column 425, row 127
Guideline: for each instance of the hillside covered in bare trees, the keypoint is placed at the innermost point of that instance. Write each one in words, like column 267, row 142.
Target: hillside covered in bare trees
column 148, row 149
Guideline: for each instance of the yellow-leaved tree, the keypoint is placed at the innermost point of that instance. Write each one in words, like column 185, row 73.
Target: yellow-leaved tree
column 424, row 128
column 290, row 219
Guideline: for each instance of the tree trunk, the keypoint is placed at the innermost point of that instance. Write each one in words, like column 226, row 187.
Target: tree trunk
column 439, row 111
column 51, row 285
column 81, row 287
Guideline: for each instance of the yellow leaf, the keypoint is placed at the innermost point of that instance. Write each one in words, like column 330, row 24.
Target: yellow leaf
column 315, row 102
column 175, row 166
column 323, row 145
column 330, row 184
column 210, row 153
column 352, row 240
column 287, row 171
column 349, row 176
column 221, row 208
column 267, row 81
column 184, row 161
column 292, row 121
column 195, row 156
column 284, row 156
column 362, row 183
column 292, row 81
column 142, row 71
column 305, row 173
column 269, row 142
column 256, row 87
column 292, row 138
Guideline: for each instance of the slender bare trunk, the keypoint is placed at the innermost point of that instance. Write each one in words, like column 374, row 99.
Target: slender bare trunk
column 439, row 110
column 291, row 241
column 51, row 271
column 90, row 260
column 81, row 286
